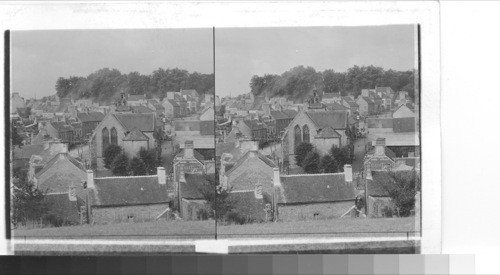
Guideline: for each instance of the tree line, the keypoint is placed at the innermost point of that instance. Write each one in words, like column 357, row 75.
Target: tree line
column 106, row 83
column 298, row 82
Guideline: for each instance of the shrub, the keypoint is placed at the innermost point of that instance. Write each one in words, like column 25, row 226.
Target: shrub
column 387, row 212
column 120, row 166
column 328, row 164
column 53, row 220
column 237, row 218
column 301, row 152
column 310, row 164
column 110, row 154
column 150, row 160
column 137, row 167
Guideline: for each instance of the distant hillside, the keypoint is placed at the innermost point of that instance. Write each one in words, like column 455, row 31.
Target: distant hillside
column 105, row 84
column 299, row 82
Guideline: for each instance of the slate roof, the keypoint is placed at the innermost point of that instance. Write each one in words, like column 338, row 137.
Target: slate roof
column 173, row 102
column 254, row 124
column 55, row 158
column 328, row 132
column 91, row 116
column 278, row 115
column 196, row 155
column 141, row 109
column 336, row 106
column 388, row 152
column 404, row 124
column 325, row 119
column 114, row 191
column 368, row 100
column 191, row 188
column 61, row 126
column 331, row 95
column 27, row 151
column 241, row 160
column 135, row 135
column 309, row 188
column 142, row 122
column 290, row 113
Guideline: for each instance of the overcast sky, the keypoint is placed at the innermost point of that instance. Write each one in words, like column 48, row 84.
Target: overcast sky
column 242, row 53
column 38, row 58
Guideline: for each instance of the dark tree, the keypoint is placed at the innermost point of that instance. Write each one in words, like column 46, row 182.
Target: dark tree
column 137, row 167
column 110, row 154
column 218, row 198
column 150, row 159
column 402, row 188
column 311, row 162
column 328, row 164
column 301, row 152
column 28, row 202
column 120, row 165
column 341, row 156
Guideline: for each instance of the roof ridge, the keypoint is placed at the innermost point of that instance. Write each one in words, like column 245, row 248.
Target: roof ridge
column 120, row 177
column 319, row 174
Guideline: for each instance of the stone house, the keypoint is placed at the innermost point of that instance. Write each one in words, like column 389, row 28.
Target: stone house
column 190, row 161
column 350, row 103
column 121, row 128
column 172, row 108
column 380, row 158
column 314, row 196
column 366, row 106
column 89, row 121
column 129, row 199
column 155, row 106
column 323, row 129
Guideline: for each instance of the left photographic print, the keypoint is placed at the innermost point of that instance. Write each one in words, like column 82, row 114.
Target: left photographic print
column 112, row 137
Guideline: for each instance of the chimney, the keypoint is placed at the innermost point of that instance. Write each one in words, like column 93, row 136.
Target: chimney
column 348, row 173
column 189, row 149
column 90, row 179
column 162, row 177
column 276, row 177
column 380, row 147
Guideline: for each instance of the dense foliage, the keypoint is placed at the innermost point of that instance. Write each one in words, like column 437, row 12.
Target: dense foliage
column 150, row 160
column 15, row 138
column 28, row 202
column 301, row 152
column 218, row 199
column 120, row 165
column 298, row 82
column 311, row 162
column 137, row 167
column 105, row 84
column 402, row 188
column 110, row 154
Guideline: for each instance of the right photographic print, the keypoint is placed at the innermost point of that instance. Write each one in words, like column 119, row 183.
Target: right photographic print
column 318, row 136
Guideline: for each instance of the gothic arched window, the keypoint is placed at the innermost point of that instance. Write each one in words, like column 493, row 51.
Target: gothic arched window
column 297, row 136
column 105, row 139
column 305, row 134
column 114, row 136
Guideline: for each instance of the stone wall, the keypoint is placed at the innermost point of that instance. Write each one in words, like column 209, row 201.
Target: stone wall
column 319, row 211
column 123, row 214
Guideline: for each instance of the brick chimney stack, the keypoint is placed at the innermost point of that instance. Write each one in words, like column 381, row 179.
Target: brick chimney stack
column 348, row 173
column 90, row 179
column 162, row 176
column 189, row 149
column 380, row 147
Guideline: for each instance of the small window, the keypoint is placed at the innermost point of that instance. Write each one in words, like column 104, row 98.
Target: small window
column 316, row 215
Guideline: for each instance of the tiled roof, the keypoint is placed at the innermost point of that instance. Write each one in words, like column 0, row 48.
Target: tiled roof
column 307, row 188
column 196, row 155
column 135, row 135
column 129, row 191
column 191, row 189
column 328, row 132
column 241, row 160
column 91, row 116
column 61, row 126
column 27, row 151
column 142, row 122
column 55, row 158
column 325, row 119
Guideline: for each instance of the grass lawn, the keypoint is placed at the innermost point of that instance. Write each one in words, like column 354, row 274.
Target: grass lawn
column 206, row 230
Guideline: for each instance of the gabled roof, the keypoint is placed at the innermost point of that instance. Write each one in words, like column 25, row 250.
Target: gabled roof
column 196, row 155
column 309, row 188
column 172, row 102
column 290, row 113
column 350, row 101
column 240, row 161
column 368, row 100
column 325, row 119
column 135, row 135
column 129, row 191
column 90, row 116
column 328, row 132
column 388, row 152
column 142, row 122
column 54, row 159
